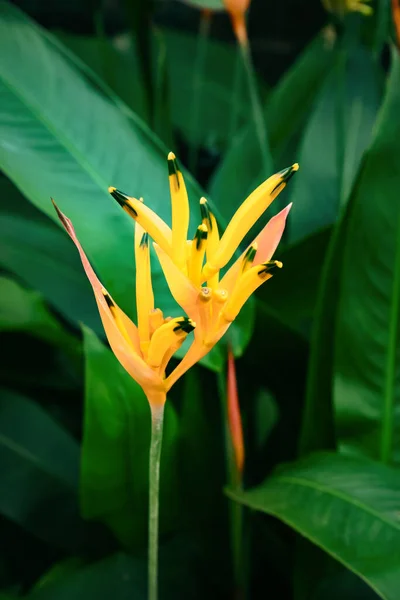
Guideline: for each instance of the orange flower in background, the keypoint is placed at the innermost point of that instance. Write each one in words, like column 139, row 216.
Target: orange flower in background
column 143, row 351
column 234, row 417
column 192, row 267
column 396, row 20
column 237, row 11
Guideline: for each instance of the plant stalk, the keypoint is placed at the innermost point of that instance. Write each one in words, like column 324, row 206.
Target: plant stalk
column 258, row 115
column 157, row 421
column 234, row 117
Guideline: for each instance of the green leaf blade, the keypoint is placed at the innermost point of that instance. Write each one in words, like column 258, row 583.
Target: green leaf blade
column 346, row 506
column 366, row 389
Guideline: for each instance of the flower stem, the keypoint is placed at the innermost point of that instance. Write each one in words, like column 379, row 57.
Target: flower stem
column 234, row 117
column 157, row 421
column 258, row 115
column 201, row 51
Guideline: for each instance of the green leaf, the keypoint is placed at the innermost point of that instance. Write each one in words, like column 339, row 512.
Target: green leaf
column 239, row 173
column 115, row 453
column 335, row 138
column 26, row 238
column 292, row 292
column 346, row 506
column 366, row 390
column 319, row 394
column 118, row 69
column 288, row 106
column 24, row 310
column 39, row 474
column 215, row 91
column 118, row 576
column 73, row 154
column 60, row 571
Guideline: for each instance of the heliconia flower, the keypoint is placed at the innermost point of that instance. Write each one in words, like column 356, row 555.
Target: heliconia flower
column 192, row 267
column 341, row 7
column 144, row 351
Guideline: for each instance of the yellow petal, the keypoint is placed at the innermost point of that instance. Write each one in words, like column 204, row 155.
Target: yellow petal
column 245, row 286
column 156, row 319
column 213, row 238
column 245, row 217
column 121, row 333
column 267, row 242
column 192, row 356
column 180, row 211
column 198, row 249
column 148, row 219
column 166, row 337
column 144, row 288
column 183, row 291
column 249, row 256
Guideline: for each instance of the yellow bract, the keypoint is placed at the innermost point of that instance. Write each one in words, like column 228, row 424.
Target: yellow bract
column 192, row 268
column 144, row 351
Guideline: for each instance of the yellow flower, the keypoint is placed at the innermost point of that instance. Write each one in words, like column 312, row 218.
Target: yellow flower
column 143, row 351
column 192, row 267
column 341, row 7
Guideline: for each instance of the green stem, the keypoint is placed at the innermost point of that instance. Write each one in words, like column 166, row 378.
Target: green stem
column 157, row 421
column 390, row 379
column 235, row 99
column 201, row 52
column 258, row 115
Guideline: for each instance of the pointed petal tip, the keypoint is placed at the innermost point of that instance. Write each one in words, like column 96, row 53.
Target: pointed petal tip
column 268, row 267
column 173, row 165
column 187, row 325
column 285, row 211
column 288, row 173
column 120, row 197
column 203, row 200
column 111, row 189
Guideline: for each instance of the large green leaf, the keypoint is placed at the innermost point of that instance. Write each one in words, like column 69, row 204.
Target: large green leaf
column 24, row 310
column 116, row 441
column 346, row 506
column 334, row 140
column 39, row 474
column 286, row 110
column 42, row 256
column 62, row 138
column 367, row 392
